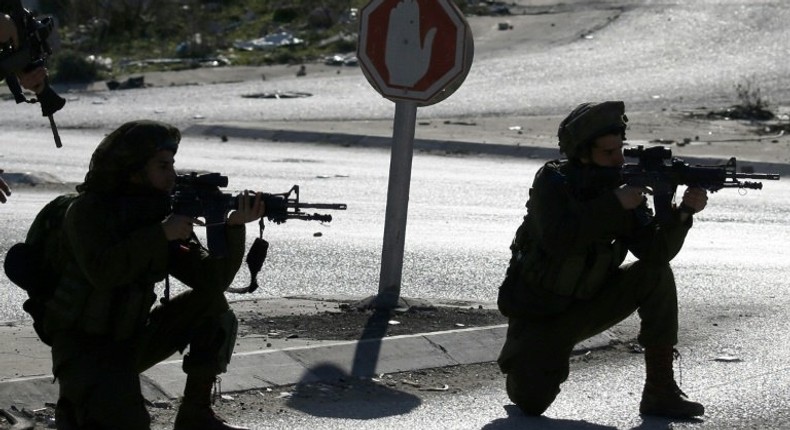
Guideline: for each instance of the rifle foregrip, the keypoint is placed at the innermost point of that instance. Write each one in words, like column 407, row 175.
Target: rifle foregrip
column 50, row 101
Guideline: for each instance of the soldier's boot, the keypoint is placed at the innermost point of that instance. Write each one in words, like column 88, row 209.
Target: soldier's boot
column 195, row 412
column 661, row 395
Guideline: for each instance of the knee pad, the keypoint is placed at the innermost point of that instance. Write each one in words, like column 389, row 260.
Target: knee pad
column 230, row 327
column 211, row 354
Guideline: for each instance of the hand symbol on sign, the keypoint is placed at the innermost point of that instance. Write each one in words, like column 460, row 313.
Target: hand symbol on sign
column 406, row 58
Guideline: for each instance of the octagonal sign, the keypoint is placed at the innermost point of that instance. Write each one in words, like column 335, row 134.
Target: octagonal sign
column 416, row 50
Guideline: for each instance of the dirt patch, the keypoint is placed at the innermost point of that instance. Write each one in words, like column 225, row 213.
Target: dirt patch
column 351, row 324
column 331, row 398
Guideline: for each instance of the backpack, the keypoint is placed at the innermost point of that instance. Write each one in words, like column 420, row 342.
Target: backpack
column 36, row 264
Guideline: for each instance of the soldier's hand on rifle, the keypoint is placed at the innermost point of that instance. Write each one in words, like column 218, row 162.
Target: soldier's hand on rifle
column 631, row 197
column 179, row 227
column 4, row 190
column 694, row 200
column 34, row 80
column 246, row 212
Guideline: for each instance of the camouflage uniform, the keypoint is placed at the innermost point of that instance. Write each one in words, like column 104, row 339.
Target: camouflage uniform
column 103, row 328
column 566, row 281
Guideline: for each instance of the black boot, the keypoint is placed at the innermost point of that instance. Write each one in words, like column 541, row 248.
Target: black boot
column 662, row 396
column 195, row 412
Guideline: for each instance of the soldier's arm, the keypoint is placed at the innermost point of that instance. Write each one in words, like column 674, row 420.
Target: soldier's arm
column 196, row 268
column 660, row 243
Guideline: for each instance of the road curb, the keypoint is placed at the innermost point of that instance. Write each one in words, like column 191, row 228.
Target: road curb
column 369, row 141
column 306, row 364
column 433, row 145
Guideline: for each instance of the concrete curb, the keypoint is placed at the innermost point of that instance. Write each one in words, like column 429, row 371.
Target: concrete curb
column 438, row 145
column 369, row 141
column 272, row 368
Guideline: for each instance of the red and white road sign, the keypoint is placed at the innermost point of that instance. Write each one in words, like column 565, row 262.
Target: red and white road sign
column 417, row 50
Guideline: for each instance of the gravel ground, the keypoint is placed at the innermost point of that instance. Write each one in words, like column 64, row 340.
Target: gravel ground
column 351, row 324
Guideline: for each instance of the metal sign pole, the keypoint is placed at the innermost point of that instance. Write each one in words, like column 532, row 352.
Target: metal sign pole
column 397, row 204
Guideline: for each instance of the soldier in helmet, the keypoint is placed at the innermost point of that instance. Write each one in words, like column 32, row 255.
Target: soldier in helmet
column 119, row 240
column 566, row 281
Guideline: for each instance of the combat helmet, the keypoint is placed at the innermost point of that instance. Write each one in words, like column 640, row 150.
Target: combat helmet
column 125, row 151
column 587, row 122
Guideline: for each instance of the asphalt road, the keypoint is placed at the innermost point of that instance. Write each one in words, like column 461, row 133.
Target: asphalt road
column 732, row 274
column 463, row 211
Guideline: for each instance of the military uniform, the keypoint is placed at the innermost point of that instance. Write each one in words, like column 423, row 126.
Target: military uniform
column 103, row 328
column 566, row 281
column 566, row 276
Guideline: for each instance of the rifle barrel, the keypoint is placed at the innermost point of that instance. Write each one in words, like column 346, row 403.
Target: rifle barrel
column 765, row 176
column 331, row 206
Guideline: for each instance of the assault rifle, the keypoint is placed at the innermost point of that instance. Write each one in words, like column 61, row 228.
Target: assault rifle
column 199, row 195
column 662, row 173
column 32, row 51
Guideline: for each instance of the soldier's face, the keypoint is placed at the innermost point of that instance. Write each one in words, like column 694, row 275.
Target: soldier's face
column 607, row 151
column 159, row 172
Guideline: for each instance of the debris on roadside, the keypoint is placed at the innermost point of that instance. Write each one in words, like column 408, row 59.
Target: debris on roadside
column 444, row 387
column 727, row 358
column 133, row 82
column 26, row 419
column 161, row 404
column 270, row 41
column 277, row 95
column 411, row 383
column 341, row 60
column 635, row 348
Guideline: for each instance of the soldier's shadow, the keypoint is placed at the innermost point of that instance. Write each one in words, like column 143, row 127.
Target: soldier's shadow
column 517, row 420
column 329, row 391
column 659, row 423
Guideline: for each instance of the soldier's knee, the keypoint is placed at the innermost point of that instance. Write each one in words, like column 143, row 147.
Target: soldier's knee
column 211, row 351
column 229, row 326
column 655, row 275
column 653, row 268
column 533, row 395
column 65, row 416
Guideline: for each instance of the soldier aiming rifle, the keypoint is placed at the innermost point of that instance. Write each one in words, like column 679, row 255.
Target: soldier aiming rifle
column 566, row 281
column 91, row 262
